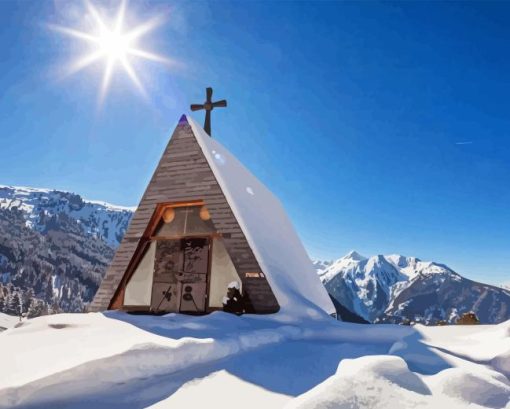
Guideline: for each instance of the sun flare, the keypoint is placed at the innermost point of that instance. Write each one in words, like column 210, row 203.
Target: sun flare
column 114, row 45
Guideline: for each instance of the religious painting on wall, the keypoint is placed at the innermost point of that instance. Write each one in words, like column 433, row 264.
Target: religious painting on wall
column 168, row 264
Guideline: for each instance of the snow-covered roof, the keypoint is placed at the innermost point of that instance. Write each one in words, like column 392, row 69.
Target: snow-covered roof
column 267, row 228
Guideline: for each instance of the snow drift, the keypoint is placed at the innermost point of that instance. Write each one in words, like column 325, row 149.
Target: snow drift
column 117, row 360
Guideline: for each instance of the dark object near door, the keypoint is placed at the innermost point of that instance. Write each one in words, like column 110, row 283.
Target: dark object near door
column 234, row 305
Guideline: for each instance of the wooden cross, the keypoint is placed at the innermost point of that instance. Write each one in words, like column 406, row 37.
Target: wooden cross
column 208, row 105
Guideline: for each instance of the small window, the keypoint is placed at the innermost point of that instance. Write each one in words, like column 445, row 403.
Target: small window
column 172, row 222
column 182, row 221
column 198, row 221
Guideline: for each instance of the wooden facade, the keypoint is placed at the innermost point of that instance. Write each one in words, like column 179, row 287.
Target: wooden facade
column 184, row 175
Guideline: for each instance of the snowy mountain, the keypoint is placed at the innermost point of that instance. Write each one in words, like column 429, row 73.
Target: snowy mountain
column 395, row 288
column 445, row 297
column 320, row 265
column 98, row 219
column 54, row 248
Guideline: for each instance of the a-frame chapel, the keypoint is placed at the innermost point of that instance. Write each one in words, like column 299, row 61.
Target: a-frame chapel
column 203, row 222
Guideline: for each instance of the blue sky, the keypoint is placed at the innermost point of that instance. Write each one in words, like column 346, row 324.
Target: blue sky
column 382, row 127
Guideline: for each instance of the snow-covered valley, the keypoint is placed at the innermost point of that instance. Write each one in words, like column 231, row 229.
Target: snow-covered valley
column 130, row 361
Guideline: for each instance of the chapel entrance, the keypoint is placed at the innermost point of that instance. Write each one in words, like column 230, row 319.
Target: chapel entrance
column 181, row 275
column 181, row 265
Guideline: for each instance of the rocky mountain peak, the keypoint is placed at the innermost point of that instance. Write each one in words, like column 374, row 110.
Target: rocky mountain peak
column 395, row 288
column 354, row 255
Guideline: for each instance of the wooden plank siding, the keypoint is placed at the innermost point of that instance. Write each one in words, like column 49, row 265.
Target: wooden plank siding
column 183, row 174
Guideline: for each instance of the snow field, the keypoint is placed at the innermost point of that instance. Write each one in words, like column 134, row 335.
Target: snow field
column 119, row 360
column 7, row 321
column 385, row 382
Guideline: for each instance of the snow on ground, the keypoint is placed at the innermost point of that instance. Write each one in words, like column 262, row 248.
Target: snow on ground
column 117, row 360
column 7, row 321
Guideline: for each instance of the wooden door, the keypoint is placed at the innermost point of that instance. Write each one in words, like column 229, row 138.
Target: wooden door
column 194, row 278
column 168, row 264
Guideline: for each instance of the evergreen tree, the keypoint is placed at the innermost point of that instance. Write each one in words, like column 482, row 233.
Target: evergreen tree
column 55, row 308
column 28, row 297
column 36, row 309
column 48, row 292
column 14, row 306
column 8, row 304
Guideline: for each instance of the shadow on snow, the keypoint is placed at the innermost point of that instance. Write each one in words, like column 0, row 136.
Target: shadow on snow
column 291, row 367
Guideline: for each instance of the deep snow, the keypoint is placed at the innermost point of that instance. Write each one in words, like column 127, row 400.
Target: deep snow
column 116, row 360
column 7, row 321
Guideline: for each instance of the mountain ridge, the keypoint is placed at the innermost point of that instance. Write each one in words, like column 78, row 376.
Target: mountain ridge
column 98, row 218
column 396, row 288
column 55, row 247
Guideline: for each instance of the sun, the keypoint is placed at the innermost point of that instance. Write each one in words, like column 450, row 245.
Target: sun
column 114, row 45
